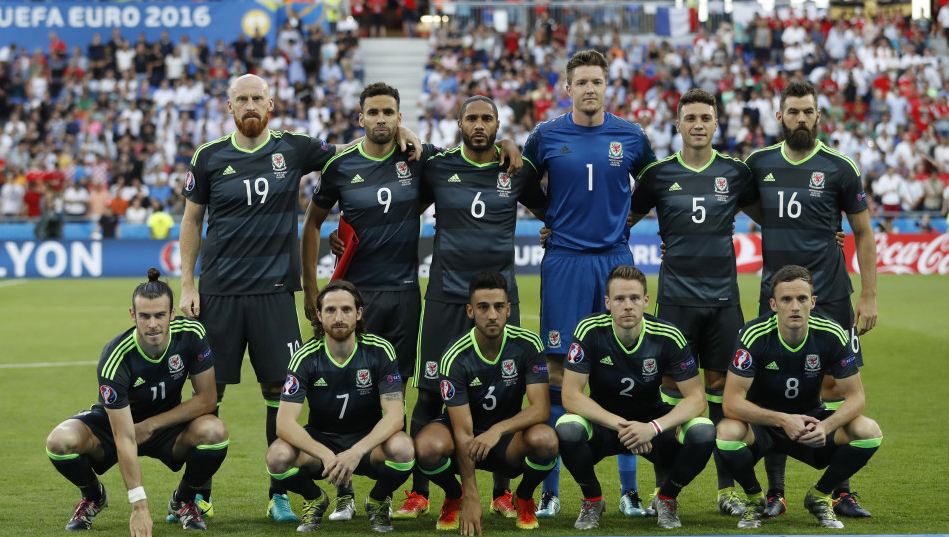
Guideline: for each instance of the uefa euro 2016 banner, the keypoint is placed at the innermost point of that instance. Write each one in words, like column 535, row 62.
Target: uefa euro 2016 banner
column 896, row 254
column 28, row 23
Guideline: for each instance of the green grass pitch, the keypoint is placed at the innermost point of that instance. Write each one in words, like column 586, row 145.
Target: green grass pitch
column 68, row 321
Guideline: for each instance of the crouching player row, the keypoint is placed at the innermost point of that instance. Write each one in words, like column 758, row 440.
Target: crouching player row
column 772, row 399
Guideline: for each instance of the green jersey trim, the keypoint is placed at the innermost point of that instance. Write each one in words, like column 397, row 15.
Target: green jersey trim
column 650, row 165
column 523, row 333
column 114, row 359
column 803, row 160
column 758, row 330
column 376, row 341
column 590, row 323
column 477, row 349
column 678, row 156
column 370, row 157
column 346, row 151
column 348, row 358
column 473, row 163
column 270, row 134
column 194, row 158
column 799, row 347
column 309, row 347
column 639, row 340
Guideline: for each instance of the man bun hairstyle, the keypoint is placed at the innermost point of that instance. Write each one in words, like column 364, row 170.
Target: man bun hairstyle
column 153, row 288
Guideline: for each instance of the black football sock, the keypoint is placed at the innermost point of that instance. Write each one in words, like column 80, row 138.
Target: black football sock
column 443, row 475
column 298, row 480
column 715, row 413
column 740, row 463
column 427, row 407
column 272, row 400
column 390, row 475
column 78, row 470
column 775, row 465
column 576, row 455
column 201, row 463
column 847, row 460
column 698, row 444
column 535, row 470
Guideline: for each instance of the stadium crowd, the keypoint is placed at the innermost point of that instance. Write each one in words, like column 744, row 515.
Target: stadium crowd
column 88, row 126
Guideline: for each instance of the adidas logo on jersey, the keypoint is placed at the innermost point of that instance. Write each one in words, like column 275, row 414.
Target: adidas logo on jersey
column 454, row 179
column 356, row 179
column 475, row 382
column 769, row 178
column 675, row 187
column 773, row 366
column 565, row 150
column 228, row 171
column 606, row 361
column 321, row 383
column 139, row 382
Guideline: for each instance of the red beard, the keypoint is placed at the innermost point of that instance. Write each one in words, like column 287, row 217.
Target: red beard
column 252, row 126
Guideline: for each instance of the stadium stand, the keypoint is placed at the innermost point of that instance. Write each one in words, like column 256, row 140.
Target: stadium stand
column 86, row 125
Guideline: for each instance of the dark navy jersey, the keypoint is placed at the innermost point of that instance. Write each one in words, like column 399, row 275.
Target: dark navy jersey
column 696, row 210
column 493, row 390
column 802, row 205
column 380, row 199
column 343, row 398
column 789, row 380
column 476, row 213
column 128, row 377
column 588, row 178
column 626, row 381
column 252, row 198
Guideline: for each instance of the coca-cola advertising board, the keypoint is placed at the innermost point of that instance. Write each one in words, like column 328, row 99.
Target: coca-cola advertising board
column 902, row 253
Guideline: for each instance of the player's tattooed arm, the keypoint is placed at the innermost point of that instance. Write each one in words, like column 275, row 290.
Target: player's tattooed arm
column 394, row 396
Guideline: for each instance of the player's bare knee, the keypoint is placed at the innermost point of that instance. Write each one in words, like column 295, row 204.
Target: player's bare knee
column 430, row 448
column 211, row 430
column 731, row 430
column 65, row 439
column 280, row 457
column 542, row 440
column 399, row 448
column 864, row 428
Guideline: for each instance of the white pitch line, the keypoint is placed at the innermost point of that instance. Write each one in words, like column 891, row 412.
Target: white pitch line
column 46, row 364
column 11, row 282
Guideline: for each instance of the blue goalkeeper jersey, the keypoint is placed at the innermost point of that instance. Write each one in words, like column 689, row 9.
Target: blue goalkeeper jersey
column 589, row 171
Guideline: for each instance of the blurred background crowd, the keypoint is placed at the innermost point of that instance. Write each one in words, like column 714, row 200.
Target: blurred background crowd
column 103, row 131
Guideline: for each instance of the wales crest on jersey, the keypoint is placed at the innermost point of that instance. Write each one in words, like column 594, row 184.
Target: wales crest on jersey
column 721, row 185
column 817, row 180
column 650, row 367
column 811, row 362
column 363, row 378
column 175, row 364
column 431, row 369
column 279, row 163
column 616, row 149
column 504, row 181
column 402, row 169
column 508, row 369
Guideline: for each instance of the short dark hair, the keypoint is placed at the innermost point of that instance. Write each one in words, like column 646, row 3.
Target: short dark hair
column 584, row 58
column 376, row 89
column 153, row 288
column 698, row 95
column 339, row 285
column 486, row 279
column 797, row 88
column 790, row 273
column 626, row 272
column 473, row 98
